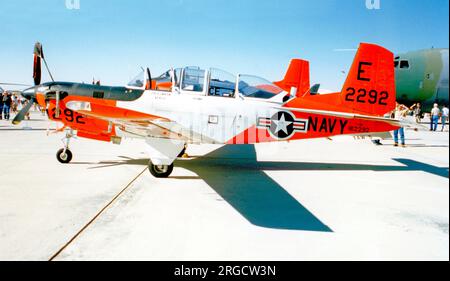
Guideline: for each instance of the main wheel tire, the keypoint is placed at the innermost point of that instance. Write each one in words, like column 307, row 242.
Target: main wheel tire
column 160, row 171
column 62, row 157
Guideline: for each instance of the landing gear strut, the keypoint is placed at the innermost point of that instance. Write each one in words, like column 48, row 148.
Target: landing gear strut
column 183, row 153
column 64, row 155
column 160, row 171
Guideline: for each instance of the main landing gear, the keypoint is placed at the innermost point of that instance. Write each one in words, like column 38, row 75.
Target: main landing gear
column 164, row 171
column 64, row 155
column 160, row 171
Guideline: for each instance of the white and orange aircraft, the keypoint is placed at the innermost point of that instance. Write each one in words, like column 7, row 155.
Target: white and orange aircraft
column 195, row 106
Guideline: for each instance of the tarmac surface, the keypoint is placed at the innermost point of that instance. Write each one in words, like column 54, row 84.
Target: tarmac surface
column 339, row 199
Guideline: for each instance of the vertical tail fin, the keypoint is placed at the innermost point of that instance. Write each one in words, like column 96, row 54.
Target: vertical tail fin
column 296, row 76
column 370, row 85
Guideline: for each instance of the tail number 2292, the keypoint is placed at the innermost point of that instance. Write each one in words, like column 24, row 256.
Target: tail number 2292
column 364, row 96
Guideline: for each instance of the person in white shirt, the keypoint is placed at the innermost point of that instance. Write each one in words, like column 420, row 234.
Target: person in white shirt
column 444, row 117
column 19, row 103
column 435, row 112
column 400, row 112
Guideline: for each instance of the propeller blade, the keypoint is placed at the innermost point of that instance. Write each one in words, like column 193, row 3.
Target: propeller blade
column 37, row 70
column 38, row 55
column 15, row 84
column 38, row 50
column 21, row 115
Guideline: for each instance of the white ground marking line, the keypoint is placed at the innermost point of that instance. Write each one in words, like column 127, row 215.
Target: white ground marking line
column 96, row 216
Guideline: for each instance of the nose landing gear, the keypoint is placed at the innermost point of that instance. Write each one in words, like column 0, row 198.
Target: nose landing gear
column 64, row 155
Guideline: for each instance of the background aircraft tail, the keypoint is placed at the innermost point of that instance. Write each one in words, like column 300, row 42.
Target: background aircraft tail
column 296, row 76
column 370, row 85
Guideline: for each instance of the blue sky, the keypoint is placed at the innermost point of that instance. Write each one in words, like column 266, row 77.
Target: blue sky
column 111, row 39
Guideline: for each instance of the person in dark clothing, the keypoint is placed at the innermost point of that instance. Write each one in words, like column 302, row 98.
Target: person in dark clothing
column 1, row 106
column 6, row 105
column 417, row 111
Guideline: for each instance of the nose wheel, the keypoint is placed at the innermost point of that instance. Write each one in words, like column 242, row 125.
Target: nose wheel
column 64, row 156
column 160, row 171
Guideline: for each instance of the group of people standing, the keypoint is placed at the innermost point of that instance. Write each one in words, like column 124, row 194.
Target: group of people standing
column 10, row 103
column 436, row 113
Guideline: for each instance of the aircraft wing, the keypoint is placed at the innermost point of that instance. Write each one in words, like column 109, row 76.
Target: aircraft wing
column 135, row 123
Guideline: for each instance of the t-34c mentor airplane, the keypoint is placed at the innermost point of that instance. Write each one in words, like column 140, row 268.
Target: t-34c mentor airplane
column 191, row 105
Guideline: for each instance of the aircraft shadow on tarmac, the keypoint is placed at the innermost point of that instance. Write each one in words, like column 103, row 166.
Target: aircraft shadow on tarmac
column 236, row 175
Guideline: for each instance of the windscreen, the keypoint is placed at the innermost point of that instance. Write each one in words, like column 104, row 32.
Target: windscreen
column 137, row 81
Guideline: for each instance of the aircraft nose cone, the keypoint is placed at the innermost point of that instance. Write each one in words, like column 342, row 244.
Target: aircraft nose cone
column 29, row 93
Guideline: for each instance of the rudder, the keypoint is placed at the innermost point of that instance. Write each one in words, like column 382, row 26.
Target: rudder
column 370, row 85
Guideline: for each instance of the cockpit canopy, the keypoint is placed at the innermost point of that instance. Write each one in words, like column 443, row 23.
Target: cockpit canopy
column 138, row 81
column 257, row 87
column 193, row 79
column 212, row 82
column 221, row 83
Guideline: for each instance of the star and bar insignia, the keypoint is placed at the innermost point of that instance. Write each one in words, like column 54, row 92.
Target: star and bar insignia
column 283, row 125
